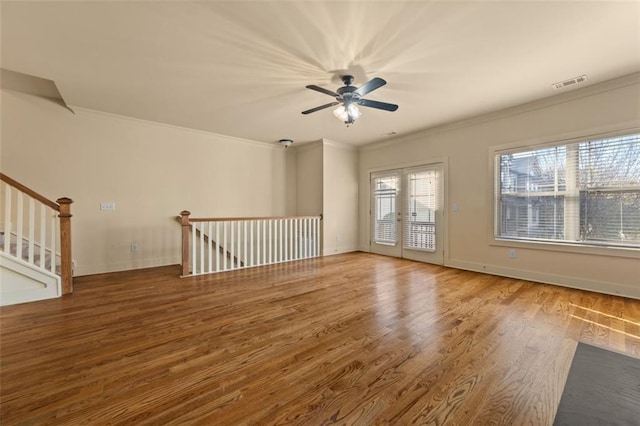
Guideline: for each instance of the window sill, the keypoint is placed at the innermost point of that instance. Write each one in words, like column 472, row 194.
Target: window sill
column 612, row 251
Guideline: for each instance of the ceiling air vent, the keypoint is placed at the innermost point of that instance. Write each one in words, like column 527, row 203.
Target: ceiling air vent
column 570, row 82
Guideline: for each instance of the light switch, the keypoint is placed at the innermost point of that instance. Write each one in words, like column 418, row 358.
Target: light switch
column 107, row 205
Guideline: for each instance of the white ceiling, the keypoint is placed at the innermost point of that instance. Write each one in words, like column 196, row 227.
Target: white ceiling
column 239, row 68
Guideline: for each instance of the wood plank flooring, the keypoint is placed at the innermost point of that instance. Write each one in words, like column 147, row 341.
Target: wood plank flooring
column 347, row 339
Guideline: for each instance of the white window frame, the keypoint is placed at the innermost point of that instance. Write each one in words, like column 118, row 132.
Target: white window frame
column 550, row 245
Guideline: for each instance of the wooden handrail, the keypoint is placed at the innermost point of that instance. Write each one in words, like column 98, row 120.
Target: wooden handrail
column 30, row 192
column 228, row 219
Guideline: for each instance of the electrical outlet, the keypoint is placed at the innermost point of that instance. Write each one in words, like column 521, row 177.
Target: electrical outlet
column 134, row 247
column 512, row 253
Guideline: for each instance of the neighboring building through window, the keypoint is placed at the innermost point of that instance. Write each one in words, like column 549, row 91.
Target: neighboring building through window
column 584, row 193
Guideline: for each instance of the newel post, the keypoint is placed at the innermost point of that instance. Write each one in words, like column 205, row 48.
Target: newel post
column 186, row 241
column 66, row 266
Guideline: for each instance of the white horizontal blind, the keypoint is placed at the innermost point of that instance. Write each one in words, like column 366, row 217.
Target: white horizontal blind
column 420, row 205
column 384, row 208
column 586, row 192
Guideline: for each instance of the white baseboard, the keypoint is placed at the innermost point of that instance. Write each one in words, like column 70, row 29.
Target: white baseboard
column 125, row 266
column 340, row 251
column 612, row 288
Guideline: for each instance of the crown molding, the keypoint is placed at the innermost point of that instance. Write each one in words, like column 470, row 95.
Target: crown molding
column 181, row 128
column 595, row 89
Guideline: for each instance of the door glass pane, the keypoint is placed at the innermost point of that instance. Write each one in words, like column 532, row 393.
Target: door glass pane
column 421, row 203
column 385, row 189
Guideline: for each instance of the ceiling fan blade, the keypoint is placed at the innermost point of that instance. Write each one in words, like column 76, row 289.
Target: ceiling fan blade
column 309, row 111
column 378, row 105
column 322, row 90
column 370, row 86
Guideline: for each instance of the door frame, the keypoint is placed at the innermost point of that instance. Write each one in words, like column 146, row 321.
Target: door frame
column 444, row 163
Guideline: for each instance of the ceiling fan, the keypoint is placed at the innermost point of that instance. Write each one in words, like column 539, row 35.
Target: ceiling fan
column 349, row 97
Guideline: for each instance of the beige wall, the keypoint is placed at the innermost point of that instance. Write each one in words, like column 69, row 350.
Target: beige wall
column 340, row 198
column 151, row 171
column 327, row 184
column 309, row 179
column 467, row 147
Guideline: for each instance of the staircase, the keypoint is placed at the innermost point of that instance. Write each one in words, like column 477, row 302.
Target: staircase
column 41, row 262
column 35, row 245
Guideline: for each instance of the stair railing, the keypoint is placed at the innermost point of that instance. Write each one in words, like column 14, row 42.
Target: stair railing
column 31, row 232
column 211, row 245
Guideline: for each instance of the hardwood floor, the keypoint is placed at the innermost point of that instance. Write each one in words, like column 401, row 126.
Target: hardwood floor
column 347, row 339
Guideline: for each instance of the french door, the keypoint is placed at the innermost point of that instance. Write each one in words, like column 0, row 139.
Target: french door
column 406, row 213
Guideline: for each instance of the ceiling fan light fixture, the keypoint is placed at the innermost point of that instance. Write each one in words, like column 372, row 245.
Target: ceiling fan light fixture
column 349, row 114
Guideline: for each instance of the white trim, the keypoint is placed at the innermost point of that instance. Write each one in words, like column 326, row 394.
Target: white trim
column 596, row 133
column 567, row 247
column 595, row 89
column 307, row 145
column 444, row 161
column 584, row 135
column 612, row 288
column 337, row 144
column 271, row 145
column 81, row 270
column 409, row 164
column 341, row 251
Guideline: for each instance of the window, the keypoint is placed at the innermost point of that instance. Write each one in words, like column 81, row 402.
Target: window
column 580, row 193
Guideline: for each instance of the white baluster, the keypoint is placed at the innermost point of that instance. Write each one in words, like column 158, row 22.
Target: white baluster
column 217, row 246
column 193, row 248
column 301, row 238
column 233, row 245
column 286, row 239
column 202, row 237
column 19, row 226
column 309, row 253
column 239, row 247
column 210, row 246
column 280, row 241
column 251, row 242
column 7, row 218
column 244, row 225
column 258, row 242
column 294, row 239
column 270, row 258
column 224, row 246
column 264, row 242
column 317, row 239
column 43, row 236
column 31, row 229
column 52, row 229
